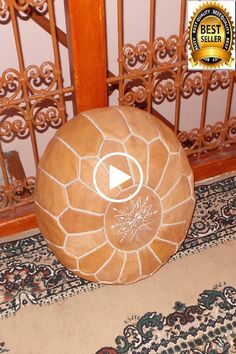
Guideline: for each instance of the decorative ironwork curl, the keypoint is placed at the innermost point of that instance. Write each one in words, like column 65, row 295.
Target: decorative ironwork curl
column 212, row 135
column 165, row 51
column 16, row 190
column 15, row 127
column 190, row 140
column 19, row 192
column 3, row 8
column 135, row 57
column 219, row 78
column 163, row 86
column 10, row 85
column 22, row 191
column 231, row 129
column 166, row 58
column 41, row 79
column 135, row 91
column 191, row 82
column 23, row 5
column 29, row 184
column 46, row 113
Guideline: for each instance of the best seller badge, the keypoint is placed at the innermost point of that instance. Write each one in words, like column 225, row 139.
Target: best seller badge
column 211, row 36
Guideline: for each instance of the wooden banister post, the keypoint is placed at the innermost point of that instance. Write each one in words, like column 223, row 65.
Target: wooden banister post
column 87, row 48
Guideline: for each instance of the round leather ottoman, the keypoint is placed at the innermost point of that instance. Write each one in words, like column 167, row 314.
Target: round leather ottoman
column 114, row 195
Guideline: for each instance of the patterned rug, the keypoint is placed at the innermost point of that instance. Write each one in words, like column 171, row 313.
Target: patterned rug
column 31, row 275
column 209, row 326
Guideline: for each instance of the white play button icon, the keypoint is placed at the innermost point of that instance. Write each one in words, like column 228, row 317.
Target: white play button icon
column 117, row 177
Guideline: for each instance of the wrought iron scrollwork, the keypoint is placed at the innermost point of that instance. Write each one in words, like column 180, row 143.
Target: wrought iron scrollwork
column 231, row 129
column 165, row 51
column 219, row 78
column 190, row 140
column 23, row 5
column 18, row 191
column 135, row 91
column 13, row 123
column 41, row 78
column 163, row 86
column 4, row 13
column 10, row 85
column 191, row 82
column 46, row 113
column 135, row 57
column 21, row 191
column 212, row 135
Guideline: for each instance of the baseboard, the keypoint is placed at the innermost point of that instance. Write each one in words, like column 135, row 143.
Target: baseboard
column 16, row 221
column 214, row 163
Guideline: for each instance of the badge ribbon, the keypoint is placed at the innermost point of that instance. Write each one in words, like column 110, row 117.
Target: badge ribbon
column 209, row 53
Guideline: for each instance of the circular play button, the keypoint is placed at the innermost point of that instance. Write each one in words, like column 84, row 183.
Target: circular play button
column 114, row 173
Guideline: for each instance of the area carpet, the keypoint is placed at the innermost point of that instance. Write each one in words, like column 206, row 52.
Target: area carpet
column 188, row 307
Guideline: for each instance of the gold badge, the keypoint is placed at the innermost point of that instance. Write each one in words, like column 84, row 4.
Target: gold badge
column 211, row 34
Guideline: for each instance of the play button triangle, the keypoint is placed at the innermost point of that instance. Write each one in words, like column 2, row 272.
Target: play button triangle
column 117, row 177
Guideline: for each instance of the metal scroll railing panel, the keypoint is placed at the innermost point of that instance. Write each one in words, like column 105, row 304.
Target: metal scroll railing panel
column 32, row 98
column 155, row 70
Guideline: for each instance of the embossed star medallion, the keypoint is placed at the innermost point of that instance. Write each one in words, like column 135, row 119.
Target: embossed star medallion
column 127, row 224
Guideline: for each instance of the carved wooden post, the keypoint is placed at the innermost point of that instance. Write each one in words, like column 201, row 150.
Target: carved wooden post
column 87, row 48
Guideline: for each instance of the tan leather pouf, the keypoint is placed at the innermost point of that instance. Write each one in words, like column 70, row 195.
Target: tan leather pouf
column 114, row 195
